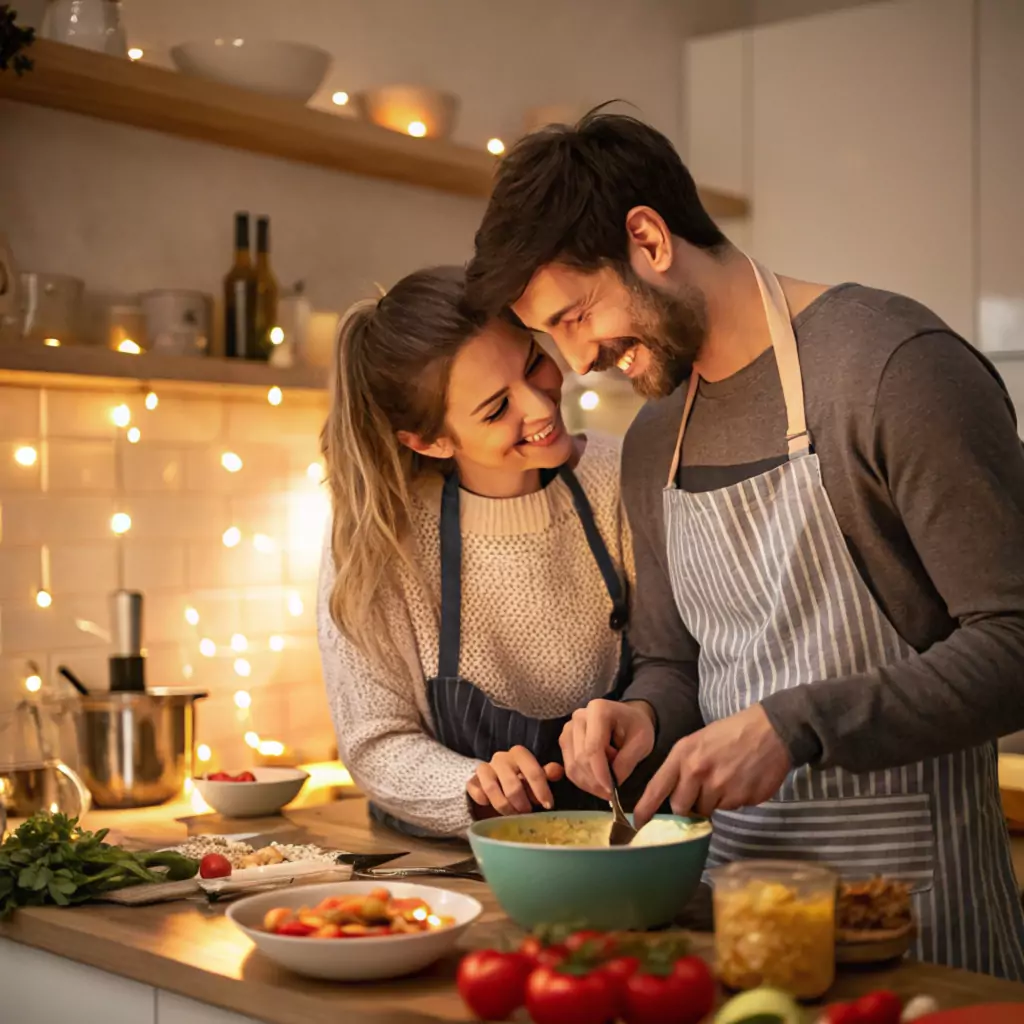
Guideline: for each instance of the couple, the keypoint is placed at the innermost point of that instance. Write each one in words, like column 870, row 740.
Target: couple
column 808, row 624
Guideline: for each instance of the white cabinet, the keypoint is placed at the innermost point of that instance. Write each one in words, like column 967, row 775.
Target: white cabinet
column 861, row 135
column 175, row 1009
column 1000, row 174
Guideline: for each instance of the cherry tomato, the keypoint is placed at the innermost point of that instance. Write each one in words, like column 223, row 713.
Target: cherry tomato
column 244, row 777
column 684, row 996
column 600, row 943
column 552, row 956
column 881, row 1007
column 840, row 1013
column 556, row 998
column 493, row 984
column 296, row 929
column 214, row 865
column 218, row 777
column 619, row 970
column 532, row 947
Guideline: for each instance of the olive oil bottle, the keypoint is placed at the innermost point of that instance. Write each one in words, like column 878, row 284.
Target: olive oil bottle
column 268, row 333
column 240, row 292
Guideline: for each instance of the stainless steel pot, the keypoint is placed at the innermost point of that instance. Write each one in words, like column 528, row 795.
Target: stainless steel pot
column 137, row 747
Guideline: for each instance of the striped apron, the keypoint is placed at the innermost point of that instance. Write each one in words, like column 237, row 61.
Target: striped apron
column 764, row 581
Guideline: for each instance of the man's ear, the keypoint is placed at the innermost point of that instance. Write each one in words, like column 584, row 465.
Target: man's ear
column 650, row 241
column 442, row 448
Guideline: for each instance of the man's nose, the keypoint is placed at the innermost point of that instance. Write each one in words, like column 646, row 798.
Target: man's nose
column 579, row 356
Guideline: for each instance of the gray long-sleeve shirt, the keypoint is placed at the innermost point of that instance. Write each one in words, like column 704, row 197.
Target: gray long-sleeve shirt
column 923, row 466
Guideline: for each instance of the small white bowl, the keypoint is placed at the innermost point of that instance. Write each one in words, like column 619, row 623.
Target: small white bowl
column 272, row 66
column 273, row 788
column 398, row 106
column 370, row 959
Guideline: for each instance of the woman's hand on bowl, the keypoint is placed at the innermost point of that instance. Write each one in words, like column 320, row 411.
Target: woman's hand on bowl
column 513, row 782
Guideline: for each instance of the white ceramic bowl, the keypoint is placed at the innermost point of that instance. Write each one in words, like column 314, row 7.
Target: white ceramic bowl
column 277, row 68
column 398, row 106
column 273, row 788
column 385, row 956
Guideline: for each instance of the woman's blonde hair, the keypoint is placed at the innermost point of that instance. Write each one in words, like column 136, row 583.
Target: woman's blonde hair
column 392, row 363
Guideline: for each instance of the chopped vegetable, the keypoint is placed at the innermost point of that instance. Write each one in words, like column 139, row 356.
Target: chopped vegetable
column 50, row 859
column 214, row 865
column 362, row 915
column 227, row 777
column 760, row 1004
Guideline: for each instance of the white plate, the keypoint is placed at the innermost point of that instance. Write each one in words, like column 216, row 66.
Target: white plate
column 369, row 959
column 284, row 872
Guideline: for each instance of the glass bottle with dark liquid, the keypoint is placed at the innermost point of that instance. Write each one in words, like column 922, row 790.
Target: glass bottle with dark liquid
column 268, row 334
column 240, row 341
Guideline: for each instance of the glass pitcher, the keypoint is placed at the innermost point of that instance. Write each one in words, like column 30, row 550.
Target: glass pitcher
column 33, row 775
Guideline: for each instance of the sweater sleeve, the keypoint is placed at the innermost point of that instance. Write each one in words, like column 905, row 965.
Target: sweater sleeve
column 382, row 738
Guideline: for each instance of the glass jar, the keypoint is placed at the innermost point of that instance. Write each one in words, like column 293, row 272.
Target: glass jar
column 775, row 924
column 92, row 24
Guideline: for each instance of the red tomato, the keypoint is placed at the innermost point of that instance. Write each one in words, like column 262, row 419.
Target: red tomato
column 244, row 777
column 841, row 1013
column 492, row 984
column 552, row 956
column 532, row 947
column 218, row 777
column 600, row 942
column 295, row 928
column 214, row 865
column 879, row 1008
column 619, row 970
column 684, row 996
column 556, row 998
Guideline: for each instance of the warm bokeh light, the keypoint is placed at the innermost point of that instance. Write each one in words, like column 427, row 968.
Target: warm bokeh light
column 339, row 99
column 231, row 537
column 239, row 643
column 276, row 335
column 252, row 739
column 243, row 699
column 121, row 415
column 315, row 472
column 26, row 455
column 129, row 347
column 243, row 668
column 495, row 147
column 277, row 643
column 207, row 648
column 264, row 544
column 192, row 616
column 295, row 605
column 52, row 342
column 589, row 400
column 133, row 435
column 231, row 462
column 152, row 401
column 44, row 599
column 34, row 683
column 275, row 396
column 417, row 129
column 120, row 522
column 203, row 752
column 135, row 53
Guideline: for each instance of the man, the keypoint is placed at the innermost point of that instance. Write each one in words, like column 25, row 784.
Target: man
column 827, row 500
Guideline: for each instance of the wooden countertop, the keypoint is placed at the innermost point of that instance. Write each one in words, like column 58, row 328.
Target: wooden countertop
column 193, row 949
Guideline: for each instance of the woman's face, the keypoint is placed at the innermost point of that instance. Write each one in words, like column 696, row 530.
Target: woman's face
column 503, row 414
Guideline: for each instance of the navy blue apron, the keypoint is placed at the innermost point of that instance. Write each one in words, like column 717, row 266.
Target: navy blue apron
column 465, row 719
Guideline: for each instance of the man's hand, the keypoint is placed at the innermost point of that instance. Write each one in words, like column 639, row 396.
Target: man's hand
column 513, row 781
column 602, row 732
column 737, row 761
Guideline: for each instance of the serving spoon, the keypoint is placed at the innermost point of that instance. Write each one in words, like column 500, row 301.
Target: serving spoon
column 622, row 832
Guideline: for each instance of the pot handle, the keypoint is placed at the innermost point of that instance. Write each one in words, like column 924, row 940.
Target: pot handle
column 84, row 796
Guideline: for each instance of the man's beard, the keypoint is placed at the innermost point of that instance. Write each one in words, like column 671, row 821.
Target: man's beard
column 671, row 327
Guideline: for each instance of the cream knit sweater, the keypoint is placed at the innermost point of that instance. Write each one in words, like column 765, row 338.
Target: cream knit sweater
column 535, row 636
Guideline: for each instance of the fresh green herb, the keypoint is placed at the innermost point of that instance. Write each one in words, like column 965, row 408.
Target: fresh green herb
column 14, row 39
column 49, row 859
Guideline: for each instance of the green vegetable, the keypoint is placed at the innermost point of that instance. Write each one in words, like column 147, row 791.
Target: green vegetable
column 49, row 859
column 760, row 1006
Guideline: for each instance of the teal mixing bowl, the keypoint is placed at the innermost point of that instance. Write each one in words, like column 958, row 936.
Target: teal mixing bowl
column 602, row 887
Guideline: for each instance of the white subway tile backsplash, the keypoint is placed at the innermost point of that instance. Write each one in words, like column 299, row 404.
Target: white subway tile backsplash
column 164, row 618
column 15, row 669
column 213, row 565
column 263, row 612
column 38, row 518
column 80, row 465
column 264, row 468
column 266, row 514
column 20, row 573
column 91, row 665
column 255, row 421
column 300, row 663
column 19, row 414
column 13, row 475
column 86, row 413
column 182, row 420
column 185, row 517
column 25, row 627
column 153, row 566
column 166, row 665
column 83, row 568
column 151, row 467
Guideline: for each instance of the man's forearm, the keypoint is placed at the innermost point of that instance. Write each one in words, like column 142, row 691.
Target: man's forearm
column 670, row 689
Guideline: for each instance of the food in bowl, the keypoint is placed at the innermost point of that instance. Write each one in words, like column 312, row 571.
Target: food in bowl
column 879, row 904
column 557, row 831
column 357, row 916
column 270, row 789
column 228, row 777
column 775, row 924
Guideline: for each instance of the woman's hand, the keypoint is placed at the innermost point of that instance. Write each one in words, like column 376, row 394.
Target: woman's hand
column 513, row 781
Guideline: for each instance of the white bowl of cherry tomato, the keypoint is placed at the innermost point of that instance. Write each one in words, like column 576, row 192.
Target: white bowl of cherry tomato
column 251, row 794
column 355, row 931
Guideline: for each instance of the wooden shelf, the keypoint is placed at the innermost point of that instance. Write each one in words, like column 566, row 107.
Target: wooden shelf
column 70, row 78
column 87, row 366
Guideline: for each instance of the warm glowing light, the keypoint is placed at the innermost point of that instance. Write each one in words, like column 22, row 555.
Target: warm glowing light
column 121, row 415
column 252, row 739
column 203, row 753
column 207, row 648
column 26, row 456
column 188, row 671
column 231, row 462
column 271, row 748
column 315, row 472
column 339, row 99
column 133, row 435
column 295, row 606
column 243, row 668
column 420, row 914
column 120, row 522
column 496, row 147
column 135, row 53
column 192, row 616
column 276, row 335
column 130, row 347
column 434, row 921
column 231, row 537
column 43, row 599
column 33, row 684
column 52, row 342
column 243, row 699
column 197, row 803
column 54, row 809
column 239, row 643
column 264, row 544
column 277, row 643
column 275, row 395
column 589, row 400
column 417, row 129
column 151, row 400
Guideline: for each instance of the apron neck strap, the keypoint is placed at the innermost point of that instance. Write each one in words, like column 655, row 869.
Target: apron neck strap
column 780, row 327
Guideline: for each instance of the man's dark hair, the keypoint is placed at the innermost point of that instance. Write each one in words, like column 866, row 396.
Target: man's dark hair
column 562, row 194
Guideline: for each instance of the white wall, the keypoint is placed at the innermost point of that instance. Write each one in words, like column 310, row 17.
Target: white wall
column 127, row 209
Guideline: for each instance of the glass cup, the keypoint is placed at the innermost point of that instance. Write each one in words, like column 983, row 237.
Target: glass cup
column 775, row 924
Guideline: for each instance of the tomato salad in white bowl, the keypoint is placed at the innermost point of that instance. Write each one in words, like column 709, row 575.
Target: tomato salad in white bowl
column 255, row 793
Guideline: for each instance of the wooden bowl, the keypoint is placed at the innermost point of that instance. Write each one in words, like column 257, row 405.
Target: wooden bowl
column 863, row 946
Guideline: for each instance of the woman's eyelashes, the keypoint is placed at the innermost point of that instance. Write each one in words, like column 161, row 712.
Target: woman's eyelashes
column 498, row 413
column 532, row 366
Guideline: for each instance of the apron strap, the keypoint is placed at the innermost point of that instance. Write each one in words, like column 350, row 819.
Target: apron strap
column 451, row 580
column 620, row 609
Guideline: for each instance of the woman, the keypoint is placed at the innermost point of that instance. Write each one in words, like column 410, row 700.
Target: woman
column 471, row 592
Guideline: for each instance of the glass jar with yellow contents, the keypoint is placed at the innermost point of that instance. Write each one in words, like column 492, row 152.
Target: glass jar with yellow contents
column 775, row 924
